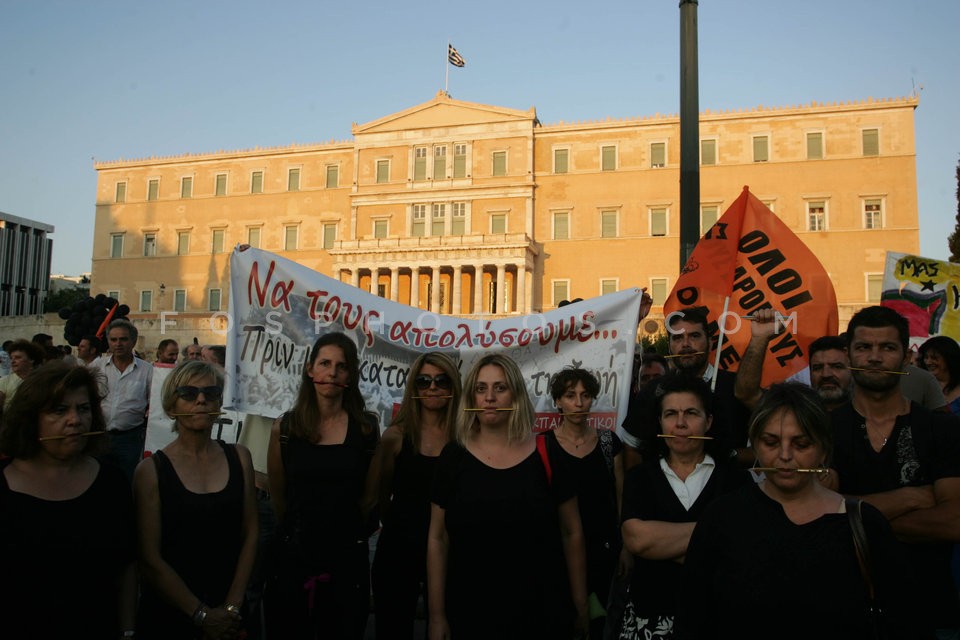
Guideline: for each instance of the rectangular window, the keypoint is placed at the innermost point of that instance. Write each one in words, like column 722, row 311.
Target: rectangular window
column 561, row 225
column 459, row 221
column 149, row 244
column 608, row 286
column 146, row 301
column 437, row 225
column 608, row 224
column 179, row 299
column 333, row 176
column 708, row 152
column 293, row 179
column 290, row 238
column 183, row 243
column 816, row 216
column 253, row 237
column 871, row 214
column 658, row 154
column 113, row 294
column 498, row 223
column 874, row 287
column 560, row 160
column 815, row 146
column 153, row 189
column 439, row 163
column 460, row 160
column 220, row 188
column 256, row 182
column 213, row 296
column 561, row 291
column 760, row 151
column 499, row 163
column 608, row 158
column 330, row 235
column 121, row 192
column 658, row 221
column 383, row 171
column 658, row 290
column 382, row 290
column 217, row 244
column 871, row 142
column 708, row 217
column 419, row 164
column 419, row 220
column 186, row 187
column 380, row 229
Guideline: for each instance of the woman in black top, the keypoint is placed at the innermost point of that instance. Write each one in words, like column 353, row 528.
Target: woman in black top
column 318, row 461
column 405, row 463
column 197, row 513
column 67, row 530
column 505, row 555
column 595, row 458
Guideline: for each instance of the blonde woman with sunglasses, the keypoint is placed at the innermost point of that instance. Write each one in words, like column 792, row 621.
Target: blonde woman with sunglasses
column 197, row 516
column 406, row 462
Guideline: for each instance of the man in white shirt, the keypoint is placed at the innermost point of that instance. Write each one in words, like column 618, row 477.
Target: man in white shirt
column 128, row 396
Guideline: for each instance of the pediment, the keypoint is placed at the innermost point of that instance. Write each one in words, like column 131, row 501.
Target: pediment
column 444, row 111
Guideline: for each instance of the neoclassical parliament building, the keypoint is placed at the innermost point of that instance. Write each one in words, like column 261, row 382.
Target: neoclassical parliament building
column 470, row 209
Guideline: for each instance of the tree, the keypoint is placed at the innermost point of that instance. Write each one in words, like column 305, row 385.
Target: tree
column 953, row 242
column 66, row 297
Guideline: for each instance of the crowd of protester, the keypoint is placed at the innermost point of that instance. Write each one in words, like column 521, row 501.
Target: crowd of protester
column 827, row 507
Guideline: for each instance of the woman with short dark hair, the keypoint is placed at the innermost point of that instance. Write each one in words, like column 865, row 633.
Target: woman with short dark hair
column 67, row 537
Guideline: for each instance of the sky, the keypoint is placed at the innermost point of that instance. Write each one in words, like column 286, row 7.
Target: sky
column 107, row 80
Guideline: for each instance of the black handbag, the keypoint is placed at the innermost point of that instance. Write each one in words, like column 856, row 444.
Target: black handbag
column 876, row 622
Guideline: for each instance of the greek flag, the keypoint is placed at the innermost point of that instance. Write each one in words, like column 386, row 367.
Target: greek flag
column 454, row 57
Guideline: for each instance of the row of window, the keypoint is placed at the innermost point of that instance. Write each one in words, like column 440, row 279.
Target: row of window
column 659, row 288
column 870, row 146
column 220, row 183
column 441, row 224
column 147, row 302
column 816, row 218
column 437, row 166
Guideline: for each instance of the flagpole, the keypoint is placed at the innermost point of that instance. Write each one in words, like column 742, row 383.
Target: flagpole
column 446, row 64
column 716, row 361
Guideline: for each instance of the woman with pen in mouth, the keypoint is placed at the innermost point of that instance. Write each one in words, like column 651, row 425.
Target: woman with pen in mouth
column 197, row 516
column 505, row 554
column 405, row 465
column 318, row 461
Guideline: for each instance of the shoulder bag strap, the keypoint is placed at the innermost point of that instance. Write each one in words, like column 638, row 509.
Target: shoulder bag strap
column 542, row 450
column 860, row 543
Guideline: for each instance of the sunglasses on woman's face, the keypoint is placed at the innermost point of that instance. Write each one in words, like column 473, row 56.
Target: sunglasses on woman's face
column 190, row 393
column 424, row 381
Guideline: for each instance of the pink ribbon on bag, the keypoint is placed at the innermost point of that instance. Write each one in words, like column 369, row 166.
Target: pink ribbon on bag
column 311, row 587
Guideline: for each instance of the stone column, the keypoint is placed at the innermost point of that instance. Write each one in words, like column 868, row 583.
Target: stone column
column 374, row 276
column 355, row 277
column 414, row 286
column 457, row 275
column 478, row 290
column 502, row 306
column 435, row 290
column 522, row 289
column 394, row 284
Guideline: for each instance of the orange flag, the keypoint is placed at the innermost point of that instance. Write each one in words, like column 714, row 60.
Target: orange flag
column 751, row 256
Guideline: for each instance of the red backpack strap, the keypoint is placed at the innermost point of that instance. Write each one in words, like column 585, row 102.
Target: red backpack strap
column 542, row 450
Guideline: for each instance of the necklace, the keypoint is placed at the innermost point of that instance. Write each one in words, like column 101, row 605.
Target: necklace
column 574, row 441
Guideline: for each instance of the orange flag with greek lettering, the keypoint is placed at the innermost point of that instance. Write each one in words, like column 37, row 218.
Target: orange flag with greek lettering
column 751, row 256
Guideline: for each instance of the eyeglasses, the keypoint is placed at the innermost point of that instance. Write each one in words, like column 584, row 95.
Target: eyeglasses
column 190, row 393
column 424, row 381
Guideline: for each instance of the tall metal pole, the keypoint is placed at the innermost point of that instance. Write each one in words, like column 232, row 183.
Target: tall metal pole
column 689, row 132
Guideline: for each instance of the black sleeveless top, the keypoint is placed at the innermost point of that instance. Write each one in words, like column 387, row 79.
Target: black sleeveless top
column 408, row 518
column 200, row 540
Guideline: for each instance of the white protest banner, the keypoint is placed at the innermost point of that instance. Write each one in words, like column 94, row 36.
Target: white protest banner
column 279, row 308
column 924, row 291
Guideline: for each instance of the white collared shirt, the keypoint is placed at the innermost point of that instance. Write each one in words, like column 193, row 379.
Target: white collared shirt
column 128, row 393
column 689, row 490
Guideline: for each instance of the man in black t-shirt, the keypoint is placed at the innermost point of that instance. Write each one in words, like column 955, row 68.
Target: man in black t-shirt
column 901, row 458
